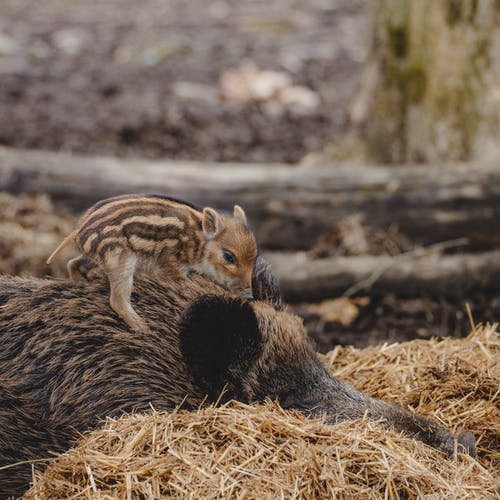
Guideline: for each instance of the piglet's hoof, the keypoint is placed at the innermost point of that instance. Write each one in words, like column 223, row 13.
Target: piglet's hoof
column 467, row 443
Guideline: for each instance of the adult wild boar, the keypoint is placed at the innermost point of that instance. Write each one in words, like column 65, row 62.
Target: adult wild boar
column 67, row 360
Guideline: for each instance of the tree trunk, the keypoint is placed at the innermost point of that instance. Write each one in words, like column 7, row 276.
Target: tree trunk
column 433, row 81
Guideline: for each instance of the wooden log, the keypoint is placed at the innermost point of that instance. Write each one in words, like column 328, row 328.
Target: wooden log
column 289, row 206
column 454, row 276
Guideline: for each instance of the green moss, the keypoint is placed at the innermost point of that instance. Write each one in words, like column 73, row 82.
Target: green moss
column 461, row 10
column 271, row 28
column 481, row 54
column 462, row 105
column 398, row 41
column 469, row 118
column 454, row 11
column 473, row 10
column 414, row 80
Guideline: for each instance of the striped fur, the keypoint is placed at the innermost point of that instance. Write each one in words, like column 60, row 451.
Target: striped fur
column 160, row 235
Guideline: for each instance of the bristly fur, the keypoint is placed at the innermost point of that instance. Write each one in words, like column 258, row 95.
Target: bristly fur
column 177, row 200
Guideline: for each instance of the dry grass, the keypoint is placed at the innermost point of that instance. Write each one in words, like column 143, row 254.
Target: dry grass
column 261, row 451
column 454, row 381
column 30, row 229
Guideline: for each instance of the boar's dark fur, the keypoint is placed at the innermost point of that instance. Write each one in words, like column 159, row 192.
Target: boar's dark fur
column 66, row 361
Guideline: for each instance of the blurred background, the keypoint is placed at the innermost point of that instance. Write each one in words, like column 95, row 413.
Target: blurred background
column 146, row 78
column 361, row 137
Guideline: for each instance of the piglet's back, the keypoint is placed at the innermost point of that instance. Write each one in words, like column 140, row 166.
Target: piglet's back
column 141, row 221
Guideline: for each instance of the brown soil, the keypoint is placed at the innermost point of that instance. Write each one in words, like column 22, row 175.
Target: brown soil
column 107, row 77
column 392, row 319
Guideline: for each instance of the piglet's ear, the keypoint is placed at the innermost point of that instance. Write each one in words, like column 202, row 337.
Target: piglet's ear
column 211, row 222
column 239, row 214
column 220, row 340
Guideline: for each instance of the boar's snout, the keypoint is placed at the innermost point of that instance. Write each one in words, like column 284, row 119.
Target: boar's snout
column 328, row 398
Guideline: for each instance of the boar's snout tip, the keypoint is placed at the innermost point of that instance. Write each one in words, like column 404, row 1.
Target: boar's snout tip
column 467, row 443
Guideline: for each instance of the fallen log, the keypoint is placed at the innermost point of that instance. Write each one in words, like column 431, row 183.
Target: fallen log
column 289, row 206
column 456, row 276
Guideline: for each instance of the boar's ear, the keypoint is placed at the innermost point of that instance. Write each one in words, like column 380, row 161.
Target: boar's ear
column 265, row 285
column 211, row 222
column 220, row 339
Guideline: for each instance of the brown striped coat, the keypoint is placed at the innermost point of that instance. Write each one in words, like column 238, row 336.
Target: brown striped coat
column 160, row 235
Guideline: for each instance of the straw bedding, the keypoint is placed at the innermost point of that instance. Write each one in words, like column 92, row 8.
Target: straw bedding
column 30, row 229
column 261, row 451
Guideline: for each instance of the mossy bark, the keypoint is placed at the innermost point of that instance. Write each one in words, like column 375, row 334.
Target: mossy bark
column 437, row 92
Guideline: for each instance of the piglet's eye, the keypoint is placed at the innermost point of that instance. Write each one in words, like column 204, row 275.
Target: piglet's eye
column 229, row 257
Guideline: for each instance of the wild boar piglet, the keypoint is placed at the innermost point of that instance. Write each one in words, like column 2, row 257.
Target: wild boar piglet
column 158, row 234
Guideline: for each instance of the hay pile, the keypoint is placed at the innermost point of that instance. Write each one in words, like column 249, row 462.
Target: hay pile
column 454, row 381
column 262, row 451
column 30, row 230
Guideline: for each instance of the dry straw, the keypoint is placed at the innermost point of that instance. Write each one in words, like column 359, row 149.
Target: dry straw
column 29, row 230
column 261, row 451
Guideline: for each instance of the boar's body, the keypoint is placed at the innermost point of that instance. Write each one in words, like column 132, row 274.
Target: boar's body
column 66, row 360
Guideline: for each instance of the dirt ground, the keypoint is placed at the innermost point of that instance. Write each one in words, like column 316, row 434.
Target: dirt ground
column 388, row 318
column 141, row 79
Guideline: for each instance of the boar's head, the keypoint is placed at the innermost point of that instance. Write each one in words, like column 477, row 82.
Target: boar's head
column 253, row 352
